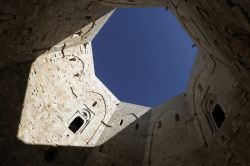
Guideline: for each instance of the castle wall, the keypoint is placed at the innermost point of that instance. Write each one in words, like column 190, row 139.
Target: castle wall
column 55, row 111
column 55, row 101
column 61, row 87
column 29, row 29
column 172, row 136
column 124, row 139
column 219, row 104
column 137, row 135
column 219, row 29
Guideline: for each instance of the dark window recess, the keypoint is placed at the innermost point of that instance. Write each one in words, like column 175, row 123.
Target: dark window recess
column 101, row 148
column 121, row 122
column 76, row 124
column 88, row 17
column 136, row 126
column 177, row 117
column 94, row 104
column 159, row 124
column 218, row 115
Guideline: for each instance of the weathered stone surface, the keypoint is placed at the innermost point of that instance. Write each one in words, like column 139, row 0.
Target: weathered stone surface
column 55, row 111
column 220, row 87
column 30, row 28
column 61, row 86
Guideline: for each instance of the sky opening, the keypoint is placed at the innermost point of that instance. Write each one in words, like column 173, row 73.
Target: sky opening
column 143, row 56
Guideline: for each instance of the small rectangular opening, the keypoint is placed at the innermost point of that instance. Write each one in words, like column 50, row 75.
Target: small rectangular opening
column 94, row 104
column 177, row 117
column 101, row 148
column 76, row 124
column 121, row 122
column 218, row 115
column 159, row 124
column 136, row 126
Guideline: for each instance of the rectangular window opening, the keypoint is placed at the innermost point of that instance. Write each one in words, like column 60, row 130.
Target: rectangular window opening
column 136, row 126
column 76, row 124
column 121, row 122
column 159, row 124
column 177, row 117
column 218, row 115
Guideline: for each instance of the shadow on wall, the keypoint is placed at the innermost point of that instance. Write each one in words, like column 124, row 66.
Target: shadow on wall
column 28, row 29
column 129, row 146
column 13, row 85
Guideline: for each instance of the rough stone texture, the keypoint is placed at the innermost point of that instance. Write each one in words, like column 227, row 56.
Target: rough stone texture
column 41, row 99
column 220, row 29
column 172, row 138
column 124, row 137
column 134, row 3
column 213, row 84
column 29, row 28
column 60, row 85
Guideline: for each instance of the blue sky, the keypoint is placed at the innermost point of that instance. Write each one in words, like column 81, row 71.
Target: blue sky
column 143, row 55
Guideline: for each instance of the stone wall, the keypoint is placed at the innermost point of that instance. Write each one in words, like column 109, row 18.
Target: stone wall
column 30, row 28
column 62, row 86
column 54, row 101
column 139, row 135
column 219, row 104
column 55, row 111
column 220, row 29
